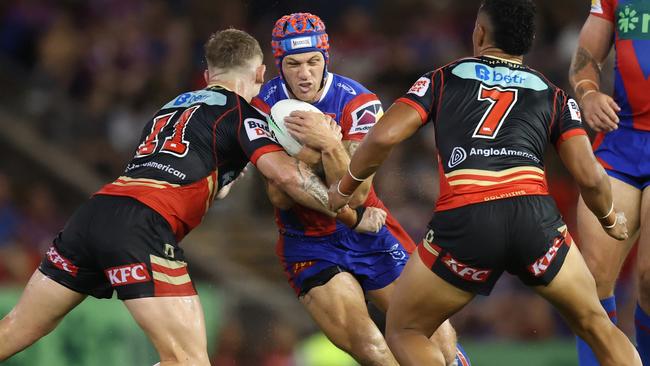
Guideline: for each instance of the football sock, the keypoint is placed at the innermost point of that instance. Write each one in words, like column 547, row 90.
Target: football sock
column 461, row 357
column 585, row 356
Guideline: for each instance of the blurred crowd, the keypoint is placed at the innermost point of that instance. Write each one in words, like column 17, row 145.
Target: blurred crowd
column 92, row 72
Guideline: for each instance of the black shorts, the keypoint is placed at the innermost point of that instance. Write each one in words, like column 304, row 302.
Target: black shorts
column 471, row 246
column 117, row 243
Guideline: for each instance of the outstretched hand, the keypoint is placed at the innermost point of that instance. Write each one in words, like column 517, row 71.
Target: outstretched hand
column 599, row 111
column 619, row 229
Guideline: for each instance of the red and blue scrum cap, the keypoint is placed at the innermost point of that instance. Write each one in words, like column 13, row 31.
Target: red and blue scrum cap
column 299, row 33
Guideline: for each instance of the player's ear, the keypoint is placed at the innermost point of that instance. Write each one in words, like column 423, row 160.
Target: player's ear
column 206, row 76
column 259, row 74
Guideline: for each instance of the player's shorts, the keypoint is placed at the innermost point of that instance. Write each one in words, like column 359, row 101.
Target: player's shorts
column 625, row 154
column 117, row 243
column 375, row 260
column 471, row 246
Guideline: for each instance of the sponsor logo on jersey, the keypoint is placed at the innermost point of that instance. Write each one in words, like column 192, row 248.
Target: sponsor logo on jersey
column 347, row 88
column 574, row 110
column 487, row 152
column 633, row 20
column 596, row 7
column 256, row 128
column 270, row 92
column 500, row 75
column 397, row 253
column 464, row 271
column 200, row 96
column 458, row 155
column 420, row 87
column 301, row 42
column 541, row 265
column 61, row 262
column 364, row 117
column 301, row 266
column 128, row 274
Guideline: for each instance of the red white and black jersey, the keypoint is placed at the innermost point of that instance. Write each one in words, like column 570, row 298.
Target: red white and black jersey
column 195, row 144
column 493, row 119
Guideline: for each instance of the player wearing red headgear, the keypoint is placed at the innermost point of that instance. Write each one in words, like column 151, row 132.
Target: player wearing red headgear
column 331, row 267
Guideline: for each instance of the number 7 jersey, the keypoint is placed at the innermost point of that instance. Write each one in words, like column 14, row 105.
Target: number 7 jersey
column 493, row 119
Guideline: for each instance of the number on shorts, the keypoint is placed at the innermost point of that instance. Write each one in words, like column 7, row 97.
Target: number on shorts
column 501, row 103
column 174, row 144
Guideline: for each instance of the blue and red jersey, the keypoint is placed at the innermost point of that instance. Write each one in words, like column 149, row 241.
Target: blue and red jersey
column 355, row 109
column 631, row 21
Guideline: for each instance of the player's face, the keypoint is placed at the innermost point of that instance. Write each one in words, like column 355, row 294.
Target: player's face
column 303, row 73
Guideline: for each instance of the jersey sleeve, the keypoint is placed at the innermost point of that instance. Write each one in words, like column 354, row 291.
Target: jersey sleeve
column 260, row 104
column 359, row 115
column 254, row 134
column 603, row 9
column 423, row 95
column 568, row 122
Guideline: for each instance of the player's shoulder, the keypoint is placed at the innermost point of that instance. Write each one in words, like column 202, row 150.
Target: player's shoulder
column 348, row 87
column 272, row 91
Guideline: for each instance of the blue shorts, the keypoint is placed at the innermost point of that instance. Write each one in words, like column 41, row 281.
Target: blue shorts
column 375, row 260
column 625, row 154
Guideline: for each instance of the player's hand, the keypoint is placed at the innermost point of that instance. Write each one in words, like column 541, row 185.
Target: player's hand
column 336, row 200
column 313, row 129
column 223, row 192
column 619, row 230
column 599, row 111
column 372, row 221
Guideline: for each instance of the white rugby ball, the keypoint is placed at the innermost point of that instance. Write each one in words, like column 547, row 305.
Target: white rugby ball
column 283, row 109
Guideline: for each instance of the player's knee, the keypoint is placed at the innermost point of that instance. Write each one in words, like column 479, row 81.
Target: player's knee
column 603, row 272
column 644, row 284
column 591, row 323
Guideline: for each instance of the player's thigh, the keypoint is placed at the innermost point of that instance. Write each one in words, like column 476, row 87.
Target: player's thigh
column 339, row 308
column 573, row 290
column 643, row 260
column 42, row 305
column 381, row 297
column 422, row 300
column 605, row 255
column 175, row 324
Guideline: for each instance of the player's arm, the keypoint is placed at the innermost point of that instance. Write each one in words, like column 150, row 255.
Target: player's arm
column 400, row 122
column 594, row 44
column 299, row 182
column 361, row 193
column 572, row 144
column 577, row 156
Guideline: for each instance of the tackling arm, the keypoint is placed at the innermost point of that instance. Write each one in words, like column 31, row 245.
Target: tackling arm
column 400, row 122
column 594, row 184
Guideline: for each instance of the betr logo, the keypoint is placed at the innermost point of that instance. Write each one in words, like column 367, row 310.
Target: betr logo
column 482, row 72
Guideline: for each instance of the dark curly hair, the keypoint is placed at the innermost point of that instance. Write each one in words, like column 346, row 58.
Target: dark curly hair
column 513, row 24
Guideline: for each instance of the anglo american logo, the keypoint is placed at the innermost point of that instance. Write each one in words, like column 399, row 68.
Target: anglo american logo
column 464, row 271
column 128, row 274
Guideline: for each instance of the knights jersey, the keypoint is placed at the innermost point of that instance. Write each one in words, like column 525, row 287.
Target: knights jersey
column 194, row 145
column 630, row 19
column 493, row 120
column 356, row 110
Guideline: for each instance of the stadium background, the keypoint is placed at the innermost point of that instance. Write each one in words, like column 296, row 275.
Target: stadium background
column 80, row 78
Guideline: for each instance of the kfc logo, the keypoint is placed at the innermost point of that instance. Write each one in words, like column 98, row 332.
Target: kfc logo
column 464, row 271
column 129, row 274
column 541, row 265
column 61, row 262
column 420, row 87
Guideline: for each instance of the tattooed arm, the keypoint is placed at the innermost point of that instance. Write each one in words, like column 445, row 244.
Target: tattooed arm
column 599, row 110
